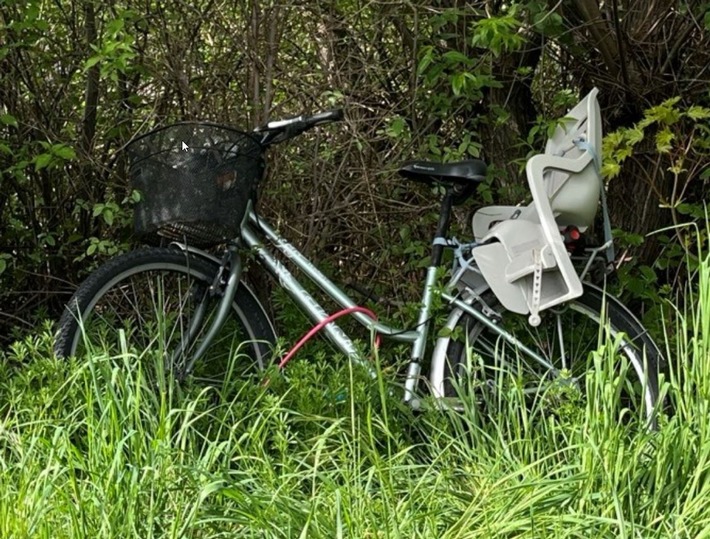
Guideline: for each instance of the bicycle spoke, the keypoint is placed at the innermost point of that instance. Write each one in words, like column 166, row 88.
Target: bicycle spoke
column 566, row 338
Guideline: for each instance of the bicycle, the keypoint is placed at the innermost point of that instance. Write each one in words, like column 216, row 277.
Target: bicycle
column 524, row 261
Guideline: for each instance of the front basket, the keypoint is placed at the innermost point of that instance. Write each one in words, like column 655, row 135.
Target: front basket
column 196, row 180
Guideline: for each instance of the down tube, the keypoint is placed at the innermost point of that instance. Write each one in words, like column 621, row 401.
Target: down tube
column 307, row 302
column 326, row 284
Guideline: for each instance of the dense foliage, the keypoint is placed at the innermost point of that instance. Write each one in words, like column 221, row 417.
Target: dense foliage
column 446, row 80
column 88, row 448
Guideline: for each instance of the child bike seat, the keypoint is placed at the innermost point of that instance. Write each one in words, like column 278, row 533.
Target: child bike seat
column 522, row 255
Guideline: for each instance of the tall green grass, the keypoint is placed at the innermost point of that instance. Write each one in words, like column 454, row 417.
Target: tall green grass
column 90, row 448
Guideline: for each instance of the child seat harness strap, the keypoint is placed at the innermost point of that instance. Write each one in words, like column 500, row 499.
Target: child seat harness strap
column 583, row 145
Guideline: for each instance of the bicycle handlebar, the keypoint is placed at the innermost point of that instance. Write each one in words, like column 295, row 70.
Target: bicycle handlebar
column 281, row 130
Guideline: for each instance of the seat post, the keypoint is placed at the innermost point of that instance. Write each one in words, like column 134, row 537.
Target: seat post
column 442, row 228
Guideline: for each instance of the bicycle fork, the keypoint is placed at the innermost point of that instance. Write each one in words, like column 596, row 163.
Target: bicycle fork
column 232, row 260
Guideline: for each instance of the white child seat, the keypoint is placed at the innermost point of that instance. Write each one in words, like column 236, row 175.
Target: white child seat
column 522, row 255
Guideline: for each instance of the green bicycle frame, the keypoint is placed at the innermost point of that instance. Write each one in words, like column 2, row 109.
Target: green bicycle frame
column 256, row 227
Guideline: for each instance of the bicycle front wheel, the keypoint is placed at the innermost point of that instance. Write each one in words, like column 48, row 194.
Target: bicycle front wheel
column 157, row 301
column 478, row 356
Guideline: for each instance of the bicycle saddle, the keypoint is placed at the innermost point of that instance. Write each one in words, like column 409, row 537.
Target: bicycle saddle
column 463, row 176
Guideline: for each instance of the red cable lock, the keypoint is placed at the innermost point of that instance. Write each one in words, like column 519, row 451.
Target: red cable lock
column 320, row 325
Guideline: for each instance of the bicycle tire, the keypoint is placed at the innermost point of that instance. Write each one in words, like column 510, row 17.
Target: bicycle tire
column 595, row 306
column 156, row 265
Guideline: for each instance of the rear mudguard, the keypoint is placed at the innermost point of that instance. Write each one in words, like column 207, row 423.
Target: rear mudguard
column 438, row 358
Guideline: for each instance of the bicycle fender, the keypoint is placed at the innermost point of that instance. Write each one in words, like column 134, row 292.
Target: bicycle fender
column 242, row 284
column 438, row 355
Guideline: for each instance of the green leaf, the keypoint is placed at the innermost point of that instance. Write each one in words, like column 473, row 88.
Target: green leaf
column 3, row 265
column 108, row 216
column 65, row 152
column 622, row 153
column 696, row 211
column 634, row 136
column 445, row 332
column 549, row 24
column 426, row 59
column 115, row 26
column 395, row 128
column 684, row 208
column 456, row 57
column 665, row 113
column 664, row 140
column 42, row 160
column 698, row 113
column 610, row 170
column 8, row 119
column 91, row 62
column 457, row 83
column 677, row 168
column 497, row 34
column 648, row 274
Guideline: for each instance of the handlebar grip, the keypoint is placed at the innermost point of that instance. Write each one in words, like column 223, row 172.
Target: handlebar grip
column 280, row 130
column 335, row 115
column 300, row 123
column 279, row 124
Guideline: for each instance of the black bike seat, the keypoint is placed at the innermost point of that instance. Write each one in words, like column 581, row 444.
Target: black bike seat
column 462, row 173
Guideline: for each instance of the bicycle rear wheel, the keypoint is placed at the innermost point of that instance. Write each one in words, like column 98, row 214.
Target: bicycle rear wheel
column 146, row 301
column 565, row 339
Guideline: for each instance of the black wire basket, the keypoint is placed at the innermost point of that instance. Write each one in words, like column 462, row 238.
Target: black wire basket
column 196, row 180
